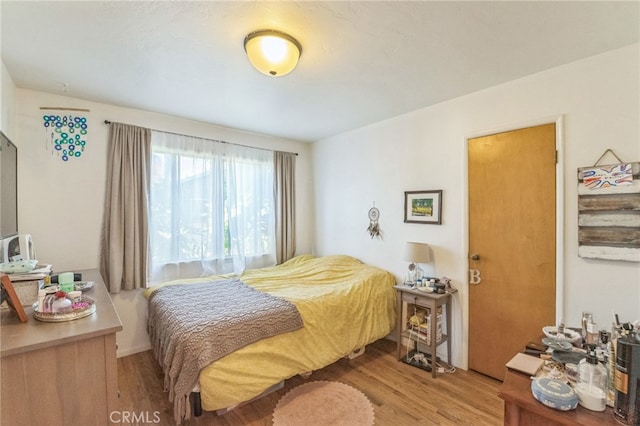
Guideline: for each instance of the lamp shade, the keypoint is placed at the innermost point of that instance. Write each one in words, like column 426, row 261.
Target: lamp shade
column 272, row 52
column 416, row 252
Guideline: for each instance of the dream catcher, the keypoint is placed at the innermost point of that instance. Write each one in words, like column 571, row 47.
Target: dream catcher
column 374, row 228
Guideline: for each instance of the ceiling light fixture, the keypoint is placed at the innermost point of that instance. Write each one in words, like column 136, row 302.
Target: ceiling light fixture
column 272, row 52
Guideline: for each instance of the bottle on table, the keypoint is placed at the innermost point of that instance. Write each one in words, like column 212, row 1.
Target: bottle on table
column 592, row 382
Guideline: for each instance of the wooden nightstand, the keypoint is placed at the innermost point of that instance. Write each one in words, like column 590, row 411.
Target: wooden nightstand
column 431, row 301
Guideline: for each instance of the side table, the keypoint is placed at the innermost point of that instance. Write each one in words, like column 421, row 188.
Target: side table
column 431, row 301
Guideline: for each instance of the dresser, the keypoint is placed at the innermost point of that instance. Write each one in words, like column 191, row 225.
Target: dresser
column 522, row 409
column 61, row 373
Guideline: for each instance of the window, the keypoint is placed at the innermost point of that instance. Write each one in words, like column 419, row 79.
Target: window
column 211, row 207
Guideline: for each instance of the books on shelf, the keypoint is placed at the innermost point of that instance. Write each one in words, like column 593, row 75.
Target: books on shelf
column 424, row 337
column 423, row 331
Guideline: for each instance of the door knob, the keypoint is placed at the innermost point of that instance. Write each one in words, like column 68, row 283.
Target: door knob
column 474, row 274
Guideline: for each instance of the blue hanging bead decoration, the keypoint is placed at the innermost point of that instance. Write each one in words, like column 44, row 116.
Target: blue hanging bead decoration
column 65, row 135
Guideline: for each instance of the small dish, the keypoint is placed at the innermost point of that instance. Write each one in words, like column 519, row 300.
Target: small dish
column 569, row 335
column 83, row 285
column 568, row 357
column 557, row 344
column 425, row 289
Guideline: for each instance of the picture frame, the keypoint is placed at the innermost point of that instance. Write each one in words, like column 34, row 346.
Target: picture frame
column 9, row 293
column 423, row 207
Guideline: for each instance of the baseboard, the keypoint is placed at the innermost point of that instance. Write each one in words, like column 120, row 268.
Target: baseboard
column 133, row 350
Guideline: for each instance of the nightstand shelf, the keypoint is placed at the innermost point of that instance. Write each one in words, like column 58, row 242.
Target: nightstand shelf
column 428, row 343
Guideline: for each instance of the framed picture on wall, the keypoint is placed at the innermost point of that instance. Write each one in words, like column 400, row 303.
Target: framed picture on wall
column 423, row 207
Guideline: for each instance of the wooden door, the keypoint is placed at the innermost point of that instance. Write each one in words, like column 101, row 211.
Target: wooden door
column 512, row 208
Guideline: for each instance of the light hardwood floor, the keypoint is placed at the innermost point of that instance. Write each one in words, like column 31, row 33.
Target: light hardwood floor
column 401, row 394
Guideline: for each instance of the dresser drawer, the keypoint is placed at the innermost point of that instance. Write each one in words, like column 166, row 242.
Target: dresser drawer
column 417, row 299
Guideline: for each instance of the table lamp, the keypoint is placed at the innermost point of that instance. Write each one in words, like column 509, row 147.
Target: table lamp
column 415, row 253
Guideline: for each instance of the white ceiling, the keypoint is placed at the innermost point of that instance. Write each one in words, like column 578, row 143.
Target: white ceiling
column 362, row 62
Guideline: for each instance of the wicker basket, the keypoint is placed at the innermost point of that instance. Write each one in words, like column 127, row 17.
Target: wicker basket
column 27, row 291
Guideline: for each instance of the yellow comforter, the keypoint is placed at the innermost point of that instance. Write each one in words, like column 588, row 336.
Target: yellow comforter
column 344, row 304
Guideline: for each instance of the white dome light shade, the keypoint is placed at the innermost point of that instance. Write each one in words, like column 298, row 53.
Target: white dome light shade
column 272, row 52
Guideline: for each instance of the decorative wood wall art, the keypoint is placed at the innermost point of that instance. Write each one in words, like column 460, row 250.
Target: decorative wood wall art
column 609, row 211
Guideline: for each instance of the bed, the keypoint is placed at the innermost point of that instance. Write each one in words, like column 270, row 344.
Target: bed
column 344, row 305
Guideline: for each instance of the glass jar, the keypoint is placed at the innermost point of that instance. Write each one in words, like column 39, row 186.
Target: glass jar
column 592, row 382
column 587, row 317
column 61, row 305
column 593, row 335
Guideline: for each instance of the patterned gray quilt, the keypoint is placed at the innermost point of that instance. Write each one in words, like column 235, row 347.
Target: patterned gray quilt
column 193, row 325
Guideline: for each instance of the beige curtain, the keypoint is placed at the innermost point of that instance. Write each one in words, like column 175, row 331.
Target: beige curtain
column 124, row 242
column 285, row 201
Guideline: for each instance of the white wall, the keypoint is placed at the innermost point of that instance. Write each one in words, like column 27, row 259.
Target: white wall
column 7, row 102
column 61, row 202
column 598, row 100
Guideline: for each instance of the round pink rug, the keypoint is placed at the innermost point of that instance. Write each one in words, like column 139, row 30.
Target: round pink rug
column 323, row 403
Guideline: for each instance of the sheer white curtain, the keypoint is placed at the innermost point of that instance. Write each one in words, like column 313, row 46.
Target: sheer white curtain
column 211, row 207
